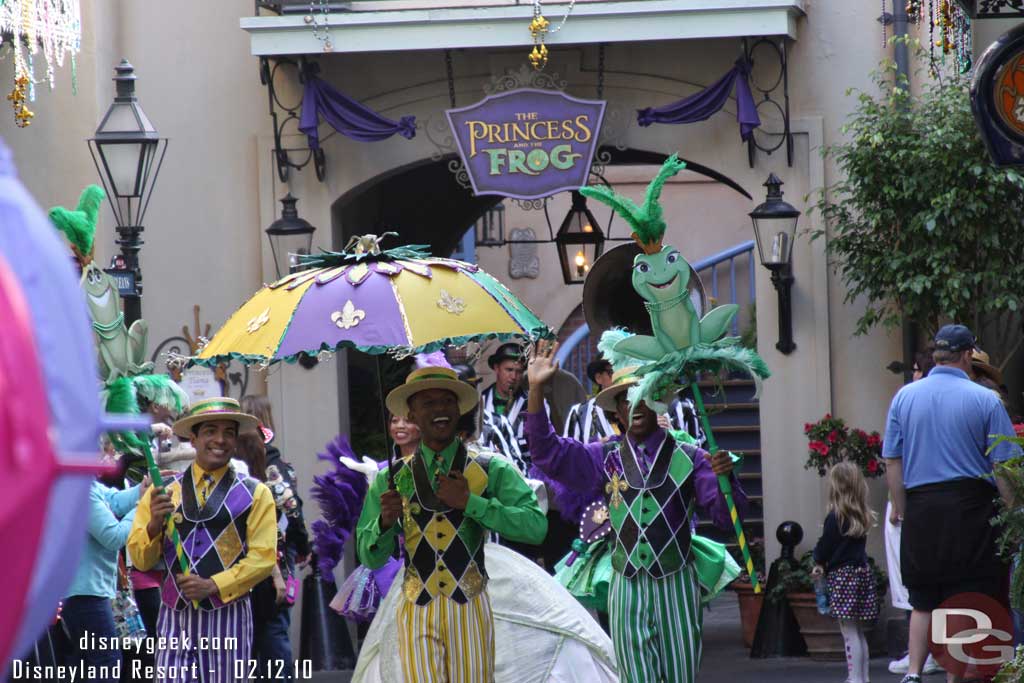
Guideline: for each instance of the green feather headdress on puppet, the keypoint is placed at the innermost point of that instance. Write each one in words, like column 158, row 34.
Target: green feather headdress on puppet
column 124, row 374
column 683, row 345
column 79, row 224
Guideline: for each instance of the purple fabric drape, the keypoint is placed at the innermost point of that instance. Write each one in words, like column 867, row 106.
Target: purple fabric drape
column 345, row 115
column 700, row 106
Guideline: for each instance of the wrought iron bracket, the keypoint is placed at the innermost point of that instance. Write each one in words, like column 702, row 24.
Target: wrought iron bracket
column 269, row 67
column 993, row 9
column 778, row 52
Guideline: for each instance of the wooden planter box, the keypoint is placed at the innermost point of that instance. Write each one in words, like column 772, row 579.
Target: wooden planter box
column 821, row 633
column 750, row 609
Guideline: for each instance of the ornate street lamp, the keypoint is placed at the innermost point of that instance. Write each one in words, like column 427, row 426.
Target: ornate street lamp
column 580, row 241
column 775, row 228
column 290, row 237
column 128, row 153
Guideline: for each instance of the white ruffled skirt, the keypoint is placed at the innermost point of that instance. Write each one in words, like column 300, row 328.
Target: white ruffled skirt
column 542, row 633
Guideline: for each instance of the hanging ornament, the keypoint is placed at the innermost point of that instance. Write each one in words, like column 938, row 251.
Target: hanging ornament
column 28, row 25
column 539, row 28
column 22, row 115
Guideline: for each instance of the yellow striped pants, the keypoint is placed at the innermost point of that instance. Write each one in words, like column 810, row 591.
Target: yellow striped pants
column 445, row 642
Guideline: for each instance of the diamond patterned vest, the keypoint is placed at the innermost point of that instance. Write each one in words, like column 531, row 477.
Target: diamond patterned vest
column 444, row 549
column 650, row 516
column 212, row 537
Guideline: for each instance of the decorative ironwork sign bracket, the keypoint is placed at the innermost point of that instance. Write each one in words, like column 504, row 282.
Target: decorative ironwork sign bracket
column 772, row 52
column 269, row 67
column 993, row 9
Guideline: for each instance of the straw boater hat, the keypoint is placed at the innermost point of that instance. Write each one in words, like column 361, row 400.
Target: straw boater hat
column 431, row 377
column 208, row 410
column 982, row 365
column 621, row 381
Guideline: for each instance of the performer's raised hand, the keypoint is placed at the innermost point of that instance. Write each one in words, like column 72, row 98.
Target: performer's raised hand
column 390, row 508
column 453, row 490
column 721, row 463
column 542, row 365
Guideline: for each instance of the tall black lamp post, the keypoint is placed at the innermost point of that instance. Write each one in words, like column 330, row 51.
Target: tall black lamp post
column 128, row 153
column 290, row 237
column 775, row 228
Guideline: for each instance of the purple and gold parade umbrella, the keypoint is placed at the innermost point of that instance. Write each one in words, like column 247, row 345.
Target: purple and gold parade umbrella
column 397, row 301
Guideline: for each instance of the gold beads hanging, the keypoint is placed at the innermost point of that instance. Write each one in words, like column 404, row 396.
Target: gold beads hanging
column 18, row 98
column 538, row 28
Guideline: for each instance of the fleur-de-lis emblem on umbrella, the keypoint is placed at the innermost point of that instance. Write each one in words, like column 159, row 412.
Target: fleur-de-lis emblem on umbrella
column 615, row 487
column 349, row 316
column 451, row 303
column 258, row 321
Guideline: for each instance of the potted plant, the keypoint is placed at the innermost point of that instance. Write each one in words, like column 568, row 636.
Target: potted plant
column 830, row 441
column 1013, row 670
column 820, row 632
column 749, row 602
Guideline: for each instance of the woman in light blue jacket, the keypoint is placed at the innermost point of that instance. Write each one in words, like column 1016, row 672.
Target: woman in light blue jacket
column 87, row 607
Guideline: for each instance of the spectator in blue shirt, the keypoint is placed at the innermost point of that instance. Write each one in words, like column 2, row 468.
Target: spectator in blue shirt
column 87, row 605
column 937, row 445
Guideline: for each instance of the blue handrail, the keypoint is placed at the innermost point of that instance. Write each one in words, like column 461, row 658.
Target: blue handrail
column 583, row 331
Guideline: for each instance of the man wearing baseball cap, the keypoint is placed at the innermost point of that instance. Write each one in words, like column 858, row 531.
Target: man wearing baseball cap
column 227, row 523
column 938, row 437
column 444, row 500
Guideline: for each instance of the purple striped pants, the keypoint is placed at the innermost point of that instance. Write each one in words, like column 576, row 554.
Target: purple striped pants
column 217, row 644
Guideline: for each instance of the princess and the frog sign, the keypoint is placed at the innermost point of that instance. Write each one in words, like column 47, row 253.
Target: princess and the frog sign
column 527, row 144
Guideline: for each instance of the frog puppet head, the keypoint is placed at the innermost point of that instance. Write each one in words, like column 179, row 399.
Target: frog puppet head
column 660, row 273
column 661, row 277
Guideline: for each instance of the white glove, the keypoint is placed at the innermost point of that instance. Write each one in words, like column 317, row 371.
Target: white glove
column 368, row 467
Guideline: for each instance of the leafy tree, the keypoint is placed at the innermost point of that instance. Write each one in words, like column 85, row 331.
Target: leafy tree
column 922, row 224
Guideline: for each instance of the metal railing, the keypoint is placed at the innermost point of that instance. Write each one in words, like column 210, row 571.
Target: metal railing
column 579, row 349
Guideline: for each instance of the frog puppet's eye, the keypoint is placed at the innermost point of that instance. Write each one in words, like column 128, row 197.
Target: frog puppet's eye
column 642, row 267
column 673, row 257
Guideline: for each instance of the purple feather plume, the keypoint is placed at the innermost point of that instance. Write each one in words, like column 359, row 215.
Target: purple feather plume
column 436, row 359
column 569, row 502
column 340, row 493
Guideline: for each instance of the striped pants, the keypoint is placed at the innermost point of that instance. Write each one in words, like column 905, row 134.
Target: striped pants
column 445, row 642
column 216, row 645
column 656, row 626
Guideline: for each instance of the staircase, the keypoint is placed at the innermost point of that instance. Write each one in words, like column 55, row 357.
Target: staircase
column 735, row 421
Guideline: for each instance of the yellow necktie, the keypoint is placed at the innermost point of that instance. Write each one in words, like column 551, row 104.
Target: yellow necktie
column 204, row 489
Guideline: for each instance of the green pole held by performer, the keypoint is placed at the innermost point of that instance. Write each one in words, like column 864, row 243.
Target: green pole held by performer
column 158, row 482
column 683, row 344
column 725, row 486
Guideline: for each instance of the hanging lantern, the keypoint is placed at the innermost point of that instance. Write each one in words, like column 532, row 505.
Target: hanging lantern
column 580, row 241
column 290, row 237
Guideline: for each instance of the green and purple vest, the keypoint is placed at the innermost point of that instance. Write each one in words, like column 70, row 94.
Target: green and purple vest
column 650, row 516
column 212, row 537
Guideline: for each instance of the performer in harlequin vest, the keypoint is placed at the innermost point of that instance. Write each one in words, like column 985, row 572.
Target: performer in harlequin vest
column 228, row 529
column 445, row 500
column 651, row 480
